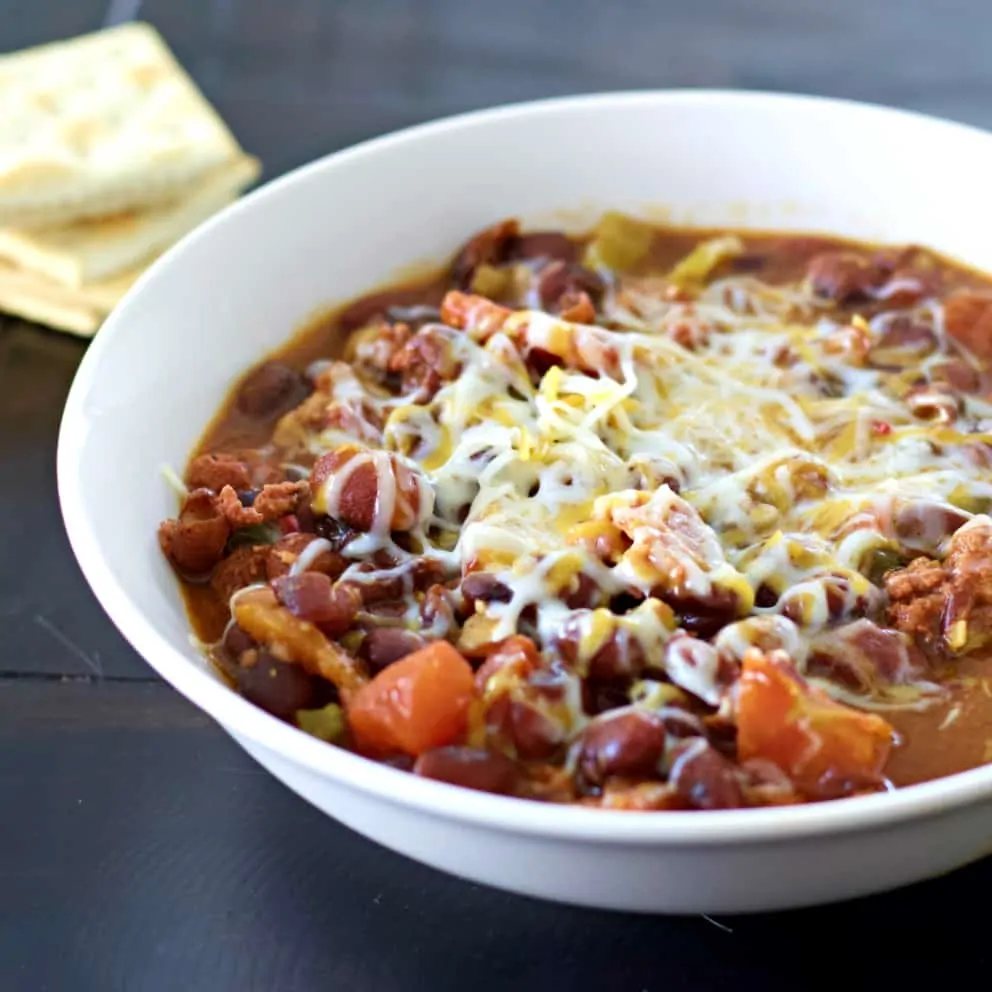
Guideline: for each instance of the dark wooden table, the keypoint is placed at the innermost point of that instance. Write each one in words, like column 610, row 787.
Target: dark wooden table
column 139, row 848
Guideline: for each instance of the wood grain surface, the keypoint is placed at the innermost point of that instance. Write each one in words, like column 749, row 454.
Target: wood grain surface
column 139, row 848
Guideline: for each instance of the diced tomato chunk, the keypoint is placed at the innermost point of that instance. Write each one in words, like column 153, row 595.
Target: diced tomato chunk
column 417, row 703
column 819, row 743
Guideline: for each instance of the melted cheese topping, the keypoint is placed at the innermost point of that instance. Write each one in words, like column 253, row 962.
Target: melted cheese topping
column 736, row 446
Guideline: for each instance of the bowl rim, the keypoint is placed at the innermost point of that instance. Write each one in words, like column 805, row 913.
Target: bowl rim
column 245, row 720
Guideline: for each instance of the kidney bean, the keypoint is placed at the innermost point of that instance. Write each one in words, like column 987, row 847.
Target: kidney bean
column 600, row 697
column 705, row 618
column 384, row 645
column 517, row 651
column 468, row 767
column 486, row 587
column 925, row 525
column 237, row 640
column 197, row 540
column 765, row 597
column 837, row 592
column 586, row 593
column 705, row 778
column 630, row 744
column 356, row 502
column 859, row 655
column 559, row 278
column 843, row 276
column 538, row 361
column 624, row 602
column 437, row 611
column 279, row 688
column 227, row 654
column 903, row 342
column 312, row 596
column 752, row 262
column 957, row 374
column 329, row 529
column 620, row 657
column 523, row 727
column 403, row 762
column 488, row 247
column 534, row 735
column 378, row 592
column 271, row 390
column 543, row 244
column 280, row 556
column 426, row 362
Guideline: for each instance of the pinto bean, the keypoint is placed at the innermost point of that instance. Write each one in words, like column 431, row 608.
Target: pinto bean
column 468, row 767
column 270, row 390
column 629, row 744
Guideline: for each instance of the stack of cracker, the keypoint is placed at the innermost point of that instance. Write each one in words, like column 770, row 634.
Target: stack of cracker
column 108, row 154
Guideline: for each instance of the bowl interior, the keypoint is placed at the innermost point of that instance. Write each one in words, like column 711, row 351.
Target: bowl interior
column 241, row 284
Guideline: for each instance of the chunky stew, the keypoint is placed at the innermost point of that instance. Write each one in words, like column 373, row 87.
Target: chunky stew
column 646, row 519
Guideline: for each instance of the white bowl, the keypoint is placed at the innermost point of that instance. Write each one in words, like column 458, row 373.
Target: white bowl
column 242, row 283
